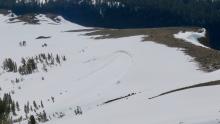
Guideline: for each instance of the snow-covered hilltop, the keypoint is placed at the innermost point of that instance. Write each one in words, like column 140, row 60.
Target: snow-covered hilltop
column 64, row 73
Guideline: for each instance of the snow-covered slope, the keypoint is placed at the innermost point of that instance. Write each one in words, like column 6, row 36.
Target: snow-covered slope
column 96, row 74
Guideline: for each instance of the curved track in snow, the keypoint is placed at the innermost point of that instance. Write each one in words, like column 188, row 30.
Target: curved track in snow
column 120, row 57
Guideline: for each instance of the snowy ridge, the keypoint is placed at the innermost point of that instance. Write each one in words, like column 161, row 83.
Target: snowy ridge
column 96, row 71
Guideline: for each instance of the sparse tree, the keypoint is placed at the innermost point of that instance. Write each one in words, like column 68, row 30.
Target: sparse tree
column 58, row 59
column 42, row 105
column 35, row 105
column 13, row 108
column 17, row 106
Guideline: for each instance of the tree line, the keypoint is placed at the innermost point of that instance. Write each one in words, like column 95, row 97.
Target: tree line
column 29, row 65
column 7, row 106
column 152, row 12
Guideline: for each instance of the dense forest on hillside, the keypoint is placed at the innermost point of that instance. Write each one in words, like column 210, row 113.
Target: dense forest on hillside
column 129, row 13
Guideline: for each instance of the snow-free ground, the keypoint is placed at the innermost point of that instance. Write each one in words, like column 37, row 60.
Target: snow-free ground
column 97, row 71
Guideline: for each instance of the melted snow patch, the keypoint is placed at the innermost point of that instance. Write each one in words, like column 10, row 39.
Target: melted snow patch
column 191, row 37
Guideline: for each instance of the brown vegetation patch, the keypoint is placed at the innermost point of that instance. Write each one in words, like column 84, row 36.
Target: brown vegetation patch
column 208, row 59
column 28, row 18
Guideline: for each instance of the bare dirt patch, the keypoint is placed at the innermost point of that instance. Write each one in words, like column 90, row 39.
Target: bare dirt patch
column 119, row 98
column 43, row 37
column 211, row 83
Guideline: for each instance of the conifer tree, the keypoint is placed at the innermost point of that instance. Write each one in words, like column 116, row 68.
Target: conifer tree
column 32, row 120
column 17, row 106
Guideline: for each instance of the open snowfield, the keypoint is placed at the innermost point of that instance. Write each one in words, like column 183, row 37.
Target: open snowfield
column 96, row 71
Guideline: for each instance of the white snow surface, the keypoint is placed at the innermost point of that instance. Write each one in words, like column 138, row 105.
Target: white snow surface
column 191, row 37
column 100, row 70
